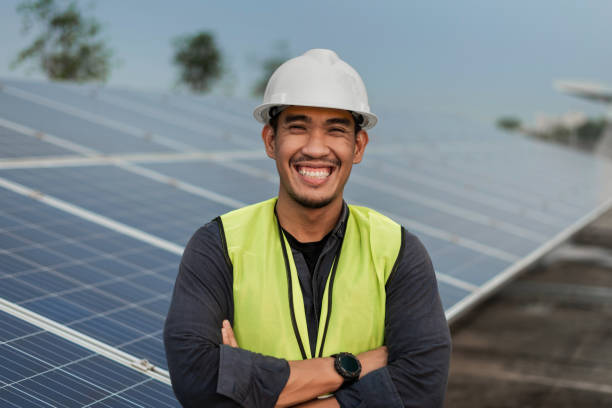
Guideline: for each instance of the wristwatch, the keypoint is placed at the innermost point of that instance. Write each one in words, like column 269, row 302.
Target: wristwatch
column 348, row 366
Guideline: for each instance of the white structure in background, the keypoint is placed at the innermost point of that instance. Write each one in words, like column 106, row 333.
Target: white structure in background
column 598, row 93
column 546, row 123
column 587, row 90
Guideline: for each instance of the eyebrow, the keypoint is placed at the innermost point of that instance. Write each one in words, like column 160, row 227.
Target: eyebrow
column 307, row 119
column 297, row 118
column 338, row 121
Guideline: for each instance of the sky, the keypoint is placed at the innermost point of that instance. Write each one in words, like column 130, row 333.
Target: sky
column 476, row 59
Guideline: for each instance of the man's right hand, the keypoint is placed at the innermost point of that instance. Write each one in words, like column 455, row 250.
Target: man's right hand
column 373, row 360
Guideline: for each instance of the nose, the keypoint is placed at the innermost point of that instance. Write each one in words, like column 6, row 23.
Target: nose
column 316, row 144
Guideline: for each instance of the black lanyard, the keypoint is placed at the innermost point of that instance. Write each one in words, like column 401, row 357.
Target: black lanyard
column 290, row 286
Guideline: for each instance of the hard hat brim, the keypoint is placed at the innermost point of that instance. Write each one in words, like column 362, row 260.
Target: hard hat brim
column 262, row 114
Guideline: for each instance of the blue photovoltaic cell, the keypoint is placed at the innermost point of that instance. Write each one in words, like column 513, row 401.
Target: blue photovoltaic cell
column 224, row 109
column 40, row 369
column 561, row 183
column 92, row 279
column 451, row 295
column 465, row 228
column 220, row 179
column 197, row 129
column 72, row 128
column 407, row 183
column 156, row 208
column 17, row 145
column 223, row 118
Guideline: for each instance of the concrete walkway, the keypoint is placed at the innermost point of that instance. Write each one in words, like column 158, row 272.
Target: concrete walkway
column 545, row 340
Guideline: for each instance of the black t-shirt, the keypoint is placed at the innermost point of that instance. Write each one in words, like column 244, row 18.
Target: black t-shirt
column 310, row 250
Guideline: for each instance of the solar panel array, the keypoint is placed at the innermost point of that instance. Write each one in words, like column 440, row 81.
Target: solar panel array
column 40, row 369
column 101, row 188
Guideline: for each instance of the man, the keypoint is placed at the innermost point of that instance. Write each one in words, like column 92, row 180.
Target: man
column 303, row 296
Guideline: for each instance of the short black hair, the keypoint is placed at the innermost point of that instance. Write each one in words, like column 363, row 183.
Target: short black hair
column 273, row 122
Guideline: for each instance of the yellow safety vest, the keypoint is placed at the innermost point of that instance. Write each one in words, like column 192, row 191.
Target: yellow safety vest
column 269, row 316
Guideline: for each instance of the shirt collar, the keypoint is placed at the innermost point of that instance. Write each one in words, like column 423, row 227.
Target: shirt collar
column 340, row 227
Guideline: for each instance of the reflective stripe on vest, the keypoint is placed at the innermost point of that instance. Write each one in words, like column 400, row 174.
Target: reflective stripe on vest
column 269, row 316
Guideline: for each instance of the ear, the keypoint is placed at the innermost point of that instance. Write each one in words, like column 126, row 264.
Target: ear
column 267, row 135
column 361, row 141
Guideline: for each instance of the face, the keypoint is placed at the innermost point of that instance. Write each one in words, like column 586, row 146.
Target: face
column 314, row 150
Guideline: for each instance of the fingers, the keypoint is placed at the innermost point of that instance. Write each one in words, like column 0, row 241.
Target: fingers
column 227, row 333
column 224, row 335
column 230, row 334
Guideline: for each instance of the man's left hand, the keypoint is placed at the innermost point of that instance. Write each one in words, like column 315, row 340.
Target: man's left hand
column 227, row 333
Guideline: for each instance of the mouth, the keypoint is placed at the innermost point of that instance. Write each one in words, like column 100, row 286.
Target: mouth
column 314, row 175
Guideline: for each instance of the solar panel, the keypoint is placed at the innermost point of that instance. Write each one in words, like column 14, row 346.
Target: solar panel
column 101, row 115
column 73, row 125
column 91, row 234
column 90, row 278
column 14, row 145
column 212, row 119
column 154, row 207
column 40, row 369
column 221, row 178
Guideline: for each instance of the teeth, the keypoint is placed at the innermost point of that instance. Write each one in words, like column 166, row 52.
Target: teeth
column 314, row 173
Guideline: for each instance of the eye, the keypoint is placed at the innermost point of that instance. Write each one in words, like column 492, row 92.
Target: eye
column 297, row 128
column 337, row 130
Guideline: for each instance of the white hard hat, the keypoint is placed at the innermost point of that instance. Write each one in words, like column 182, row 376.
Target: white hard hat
column 318, row 78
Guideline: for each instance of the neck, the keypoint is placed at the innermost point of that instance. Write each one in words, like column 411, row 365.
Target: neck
column 307, row 224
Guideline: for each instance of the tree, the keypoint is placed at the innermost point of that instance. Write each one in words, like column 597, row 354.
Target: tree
column 590, row 132
column 268, row 66
column 199, row 60
column 509, row 123
column 68, row 45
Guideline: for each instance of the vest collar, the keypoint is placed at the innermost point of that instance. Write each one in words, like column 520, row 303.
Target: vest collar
column 340, row 227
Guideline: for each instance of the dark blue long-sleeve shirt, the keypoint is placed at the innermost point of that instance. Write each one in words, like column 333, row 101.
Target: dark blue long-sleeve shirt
column 206, row 373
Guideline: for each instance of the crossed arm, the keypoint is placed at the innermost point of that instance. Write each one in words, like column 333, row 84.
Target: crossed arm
column 310, row 378
column 207, row 372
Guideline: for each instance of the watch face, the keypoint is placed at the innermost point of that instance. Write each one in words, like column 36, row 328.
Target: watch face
column 348, row 366
column 349, row 363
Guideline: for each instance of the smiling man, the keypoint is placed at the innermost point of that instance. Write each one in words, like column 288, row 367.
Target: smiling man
column 303, row 300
